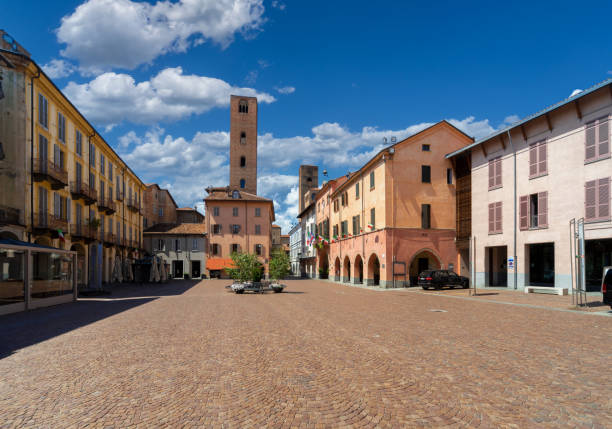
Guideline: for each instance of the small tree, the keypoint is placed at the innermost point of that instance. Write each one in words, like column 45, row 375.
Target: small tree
column 279, row 265
column 246, row 267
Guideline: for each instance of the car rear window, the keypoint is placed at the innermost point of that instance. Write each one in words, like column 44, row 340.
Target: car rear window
column 426, row 274
column 608, row 277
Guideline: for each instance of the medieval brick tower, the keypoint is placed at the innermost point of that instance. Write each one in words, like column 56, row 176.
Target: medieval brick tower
column 309, row 179
column 243, row 143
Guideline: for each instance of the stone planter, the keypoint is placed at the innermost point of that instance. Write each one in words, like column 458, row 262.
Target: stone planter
column 277, row 287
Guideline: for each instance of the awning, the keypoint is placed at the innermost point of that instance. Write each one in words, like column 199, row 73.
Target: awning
column 219, row 263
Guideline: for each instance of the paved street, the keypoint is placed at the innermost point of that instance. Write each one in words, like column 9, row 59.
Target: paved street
column 320, row 355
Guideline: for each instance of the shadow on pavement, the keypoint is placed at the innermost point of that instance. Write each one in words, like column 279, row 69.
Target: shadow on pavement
column 24, row 329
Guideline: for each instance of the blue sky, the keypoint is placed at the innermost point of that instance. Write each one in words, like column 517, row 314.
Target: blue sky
column 333, row 77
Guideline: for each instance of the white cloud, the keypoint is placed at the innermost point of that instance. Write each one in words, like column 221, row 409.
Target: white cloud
column 107, row 34
column 170, row 95
column 57, row 69
column 251, row 77
column 286, row 89
column 509, row 120
column 189, row 166
column 278, row 5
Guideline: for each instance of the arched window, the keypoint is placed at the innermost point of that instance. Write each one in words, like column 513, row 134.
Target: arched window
column 242, row 183
column 243, row 106
column 242, row 161
column 242, row 137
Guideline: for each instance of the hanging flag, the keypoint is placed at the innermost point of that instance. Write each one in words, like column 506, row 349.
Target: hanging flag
column 370, row 226
column 61, row 234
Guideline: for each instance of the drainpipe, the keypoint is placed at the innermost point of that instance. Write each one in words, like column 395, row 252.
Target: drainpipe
column 514, row 208
column 32, row 151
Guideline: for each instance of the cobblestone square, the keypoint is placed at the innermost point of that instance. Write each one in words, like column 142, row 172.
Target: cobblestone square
column 320, row 355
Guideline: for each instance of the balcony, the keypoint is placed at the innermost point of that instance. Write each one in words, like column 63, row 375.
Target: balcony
column 82, row 231
column 46, row 170
column 47, row 222
column 9, row 216
column 133, row 205
column 107, row 205
column 81, row 190
column 109, row 239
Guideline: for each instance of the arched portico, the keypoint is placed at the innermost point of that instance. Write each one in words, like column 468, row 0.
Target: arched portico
column 424, row 259
column 373, row 278
column 346, row 271
column 8, row 235
column 358, row 270
column 337, row 270
column 81, row 265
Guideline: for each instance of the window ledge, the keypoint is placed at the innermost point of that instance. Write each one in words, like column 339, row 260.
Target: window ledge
column 591, row 161
column 492, row 188
column 597, row 221
column 537, row 176
column 535, row 228
column 496, row 233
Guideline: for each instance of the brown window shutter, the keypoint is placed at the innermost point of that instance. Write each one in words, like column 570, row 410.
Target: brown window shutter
column 524, row 212
column 543, row 209
column 533, row 159
column 590, row 200
column 603, row 198
column 491, row 173
column 590, row 146
column 498, row 216
column 498, row 172
column 491, row 218
column 603, row 140
column 542, row 158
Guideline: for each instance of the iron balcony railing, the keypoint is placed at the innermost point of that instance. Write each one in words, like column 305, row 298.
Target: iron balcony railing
column 107, row 204
column 51, row 222
column 81, row 190
column 45, row 169
column 133, row 205
column 9, row 215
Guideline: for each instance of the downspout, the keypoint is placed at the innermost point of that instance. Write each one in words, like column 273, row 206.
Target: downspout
column 32, row 151
column 514, row 208
column 362, row 222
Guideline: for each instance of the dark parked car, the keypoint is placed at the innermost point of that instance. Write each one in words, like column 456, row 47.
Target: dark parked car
column 439, row 278
column 606, row 286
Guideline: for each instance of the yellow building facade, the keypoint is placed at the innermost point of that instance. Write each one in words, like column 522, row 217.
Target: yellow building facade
column 62, row 184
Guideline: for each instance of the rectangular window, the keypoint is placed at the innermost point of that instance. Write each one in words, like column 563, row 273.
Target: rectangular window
column 92, row 155
column 235, row 229
column 217, row 228
column 43, row 116
column 61, row 127
column 425, row 216
column 118, row 188
column 177, row 245
column 356, row 225
column 372, row 180
column 425, row 148
column 495, row 173
column 102, row 164
column 449, row 176
column 235, row 248
column 538, row 165
column 533, row 211
column 110, row 171
column 597, row 200
column 161, row 244
column 336, row 205
column 194, row 244
column 356, row 191
column 257, row 229
column 101, row 190
column 425, row 174
column 161, row 212
column 257, row 212
column 234, row 211
column 216, row 249
column 258, row 249
column 110, row 193
column 597, row 144
column 495, row 218
column 335, row 229
column 92, row 181
column 79, row 143
column 344, row 227
column 372, row 219
column 215, row 211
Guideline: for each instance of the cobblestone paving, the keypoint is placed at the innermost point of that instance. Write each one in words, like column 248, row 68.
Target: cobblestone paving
column 321, row 355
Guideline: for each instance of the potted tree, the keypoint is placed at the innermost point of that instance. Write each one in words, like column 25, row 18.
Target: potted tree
column 279, row 268
column 247, row 269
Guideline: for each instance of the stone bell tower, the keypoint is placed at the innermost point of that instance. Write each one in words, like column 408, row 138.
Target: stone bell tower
column 243, row 143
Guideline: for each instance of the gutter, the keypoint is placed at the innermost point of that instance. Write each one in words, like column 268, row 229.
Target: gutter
column 32, row 151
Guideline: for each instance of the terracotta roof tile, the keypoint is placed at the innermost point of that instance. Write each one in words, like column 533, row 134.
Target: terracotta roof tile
column 178, row 229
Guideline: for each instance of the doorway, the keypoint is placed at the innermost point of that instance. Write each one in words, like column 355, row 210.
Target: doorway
column 496, row 260
column 598, row 254
column 541, row 264
column 195, row 269
column 177, row 269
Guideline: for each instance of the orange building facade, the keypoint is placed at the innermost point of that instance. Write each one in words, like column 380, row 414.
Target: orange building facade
column 237, row 222
column 395, row 216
